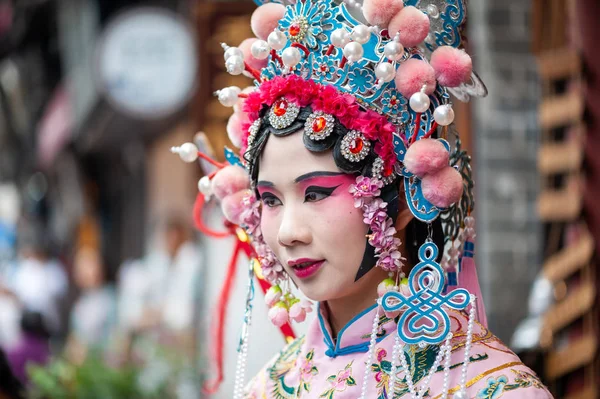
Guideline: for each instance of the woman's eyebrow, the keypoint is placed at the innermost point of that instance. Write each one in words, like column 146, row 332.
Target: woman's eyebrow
column 264, row 183
column 316, row 174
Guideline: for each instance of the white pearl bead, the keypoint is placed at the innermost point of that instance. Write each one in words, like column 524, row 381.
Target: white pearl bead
column 235, row 65
column 419, row 102
column 353, row 51
column 232, row 51
column 462, row 394
column 340, row 37
column 188, row 152
column 444, row 115
column 433, row 11
column 277, row 39
column 361, row 34
column 204, row 186
column 385, row 72
column 291, row 57
column 393, row 50
column 229, row 96
column 260, row 49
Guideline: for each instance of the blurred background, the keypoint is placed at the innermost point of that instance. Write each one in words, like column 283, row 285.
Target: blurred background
column 106, row 289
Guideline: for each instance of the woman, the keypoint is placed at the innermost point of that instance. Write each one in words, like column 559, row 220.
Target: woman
column 353, row 198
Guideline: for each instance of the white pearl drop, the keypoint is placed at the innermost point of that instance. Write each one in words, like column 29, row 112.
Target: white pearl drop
column 235, row 65
column 231, row 52
column 340, row 37
column 260, row 49
column 204, row 186
column 277, row 39
column 361, row 34
column 385, row 72
column 188, row 152
column 444, row 115
column 229, row 96
column 291, row 56
column 353, row 51
column 419, row 102
column 433, row 11
column 393, row 50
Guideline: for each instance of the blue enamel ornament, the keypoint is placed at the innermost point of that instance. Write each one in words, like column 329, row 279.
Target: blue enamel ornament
column 424, row 319
column 232, row 158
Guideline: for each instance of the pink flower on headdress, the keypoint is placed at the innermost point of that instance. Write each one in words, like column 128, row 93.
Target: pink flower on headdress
column 250, row 216
column 390, row 260
column 374, row 210
column 365, row 188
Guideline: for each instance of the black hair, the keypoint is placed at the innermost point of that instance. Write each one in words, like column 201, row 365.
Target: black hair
column 10, row 386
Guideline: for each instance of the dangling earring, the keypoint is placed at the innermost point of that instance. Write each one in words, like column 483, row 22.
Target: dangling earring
column 285, row 306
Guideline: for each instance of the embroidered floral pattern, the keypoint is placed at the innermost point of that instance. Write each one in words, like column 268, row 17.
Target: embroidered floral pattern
column 339, row 382
column 381, row 372
column 494, row 388
column 307, row 372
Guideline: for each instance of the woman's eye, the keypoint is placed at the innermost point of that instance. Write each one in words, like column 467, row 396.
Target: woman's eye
column 270, row 201
column 315, row 194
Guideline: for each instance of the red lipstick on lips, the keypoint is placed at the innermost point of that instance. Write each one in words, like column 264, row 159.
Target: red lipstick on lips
column 304, row 267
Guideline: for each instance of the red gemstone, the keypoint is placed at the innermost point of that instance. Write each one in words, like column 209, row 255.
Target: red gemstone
column 356, row 146
column 387, row 171
column 294, row 29
column 280, row 107
column 393, row 101
column 323, row 68
column 319, row 124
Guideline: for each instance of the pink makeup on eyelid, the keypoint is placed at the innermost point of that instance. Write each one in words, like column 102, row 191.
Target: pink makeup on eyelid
column 343, row 181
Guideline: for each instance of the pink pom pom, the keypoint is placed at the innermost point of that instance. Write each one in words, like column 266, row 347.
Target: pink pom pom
column 443, row 188
column 238, row 107
column 452, row 66
column 278, row 314
column 233, row 206
column 412, row 75
column 380, row 12
column 234, row 130
column 265, row 19
column 250, row 60
column 385, row 286
column 413, row 25
column 426, row 156
column 230, row 180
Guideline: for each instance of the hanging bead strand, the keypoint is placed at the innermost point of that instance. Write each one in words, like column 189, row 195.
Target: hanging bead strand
column 371, row 351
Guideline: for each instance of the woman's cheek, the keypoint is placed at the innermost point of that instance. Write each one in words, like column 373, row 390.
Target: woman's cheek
column 269, row 227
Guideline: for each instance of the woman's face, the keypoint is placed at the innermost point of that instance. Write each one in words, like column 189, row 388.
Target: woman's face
column 309, row 219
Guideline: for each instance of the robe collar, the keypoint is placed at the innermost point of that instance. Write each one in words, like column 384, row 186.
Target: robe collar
column 355, row 336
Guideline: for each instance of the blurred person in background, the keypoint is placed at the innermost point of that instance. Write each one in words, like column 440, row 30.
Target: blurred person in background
column 94, row 315
column 32, row 348
column 37, row 282
column 159, row 293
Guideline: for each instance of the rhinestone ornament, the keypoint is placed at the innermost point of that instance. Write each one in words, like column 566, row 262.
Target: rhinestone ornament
column 297, row 30
column 283, row 113
column 253, row 131
column 355, row 146
column 379, row 171
column 319, row 125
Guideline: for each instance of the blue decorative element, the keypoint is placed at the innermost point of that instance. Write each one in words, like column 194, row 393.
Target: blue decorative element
column 424, row 320
column 232, row 158
column 261, row 2
column 418, row 205
column 324, row 67
column 317, row 15
column 395, row 105
column 361, row 79
column 446, row 28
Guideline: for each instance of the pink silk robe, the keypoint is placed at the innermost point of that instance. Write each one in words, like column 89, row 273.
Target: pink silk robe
column 314, row 366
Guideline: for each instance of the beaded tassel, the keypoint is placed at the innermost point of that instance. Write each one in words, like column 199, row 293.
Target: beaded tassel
column 371, row 350
column 242, row 359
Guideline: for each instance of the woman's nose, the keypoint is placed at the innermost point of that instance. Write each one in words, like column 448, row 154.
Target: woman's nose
column 294, row 228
